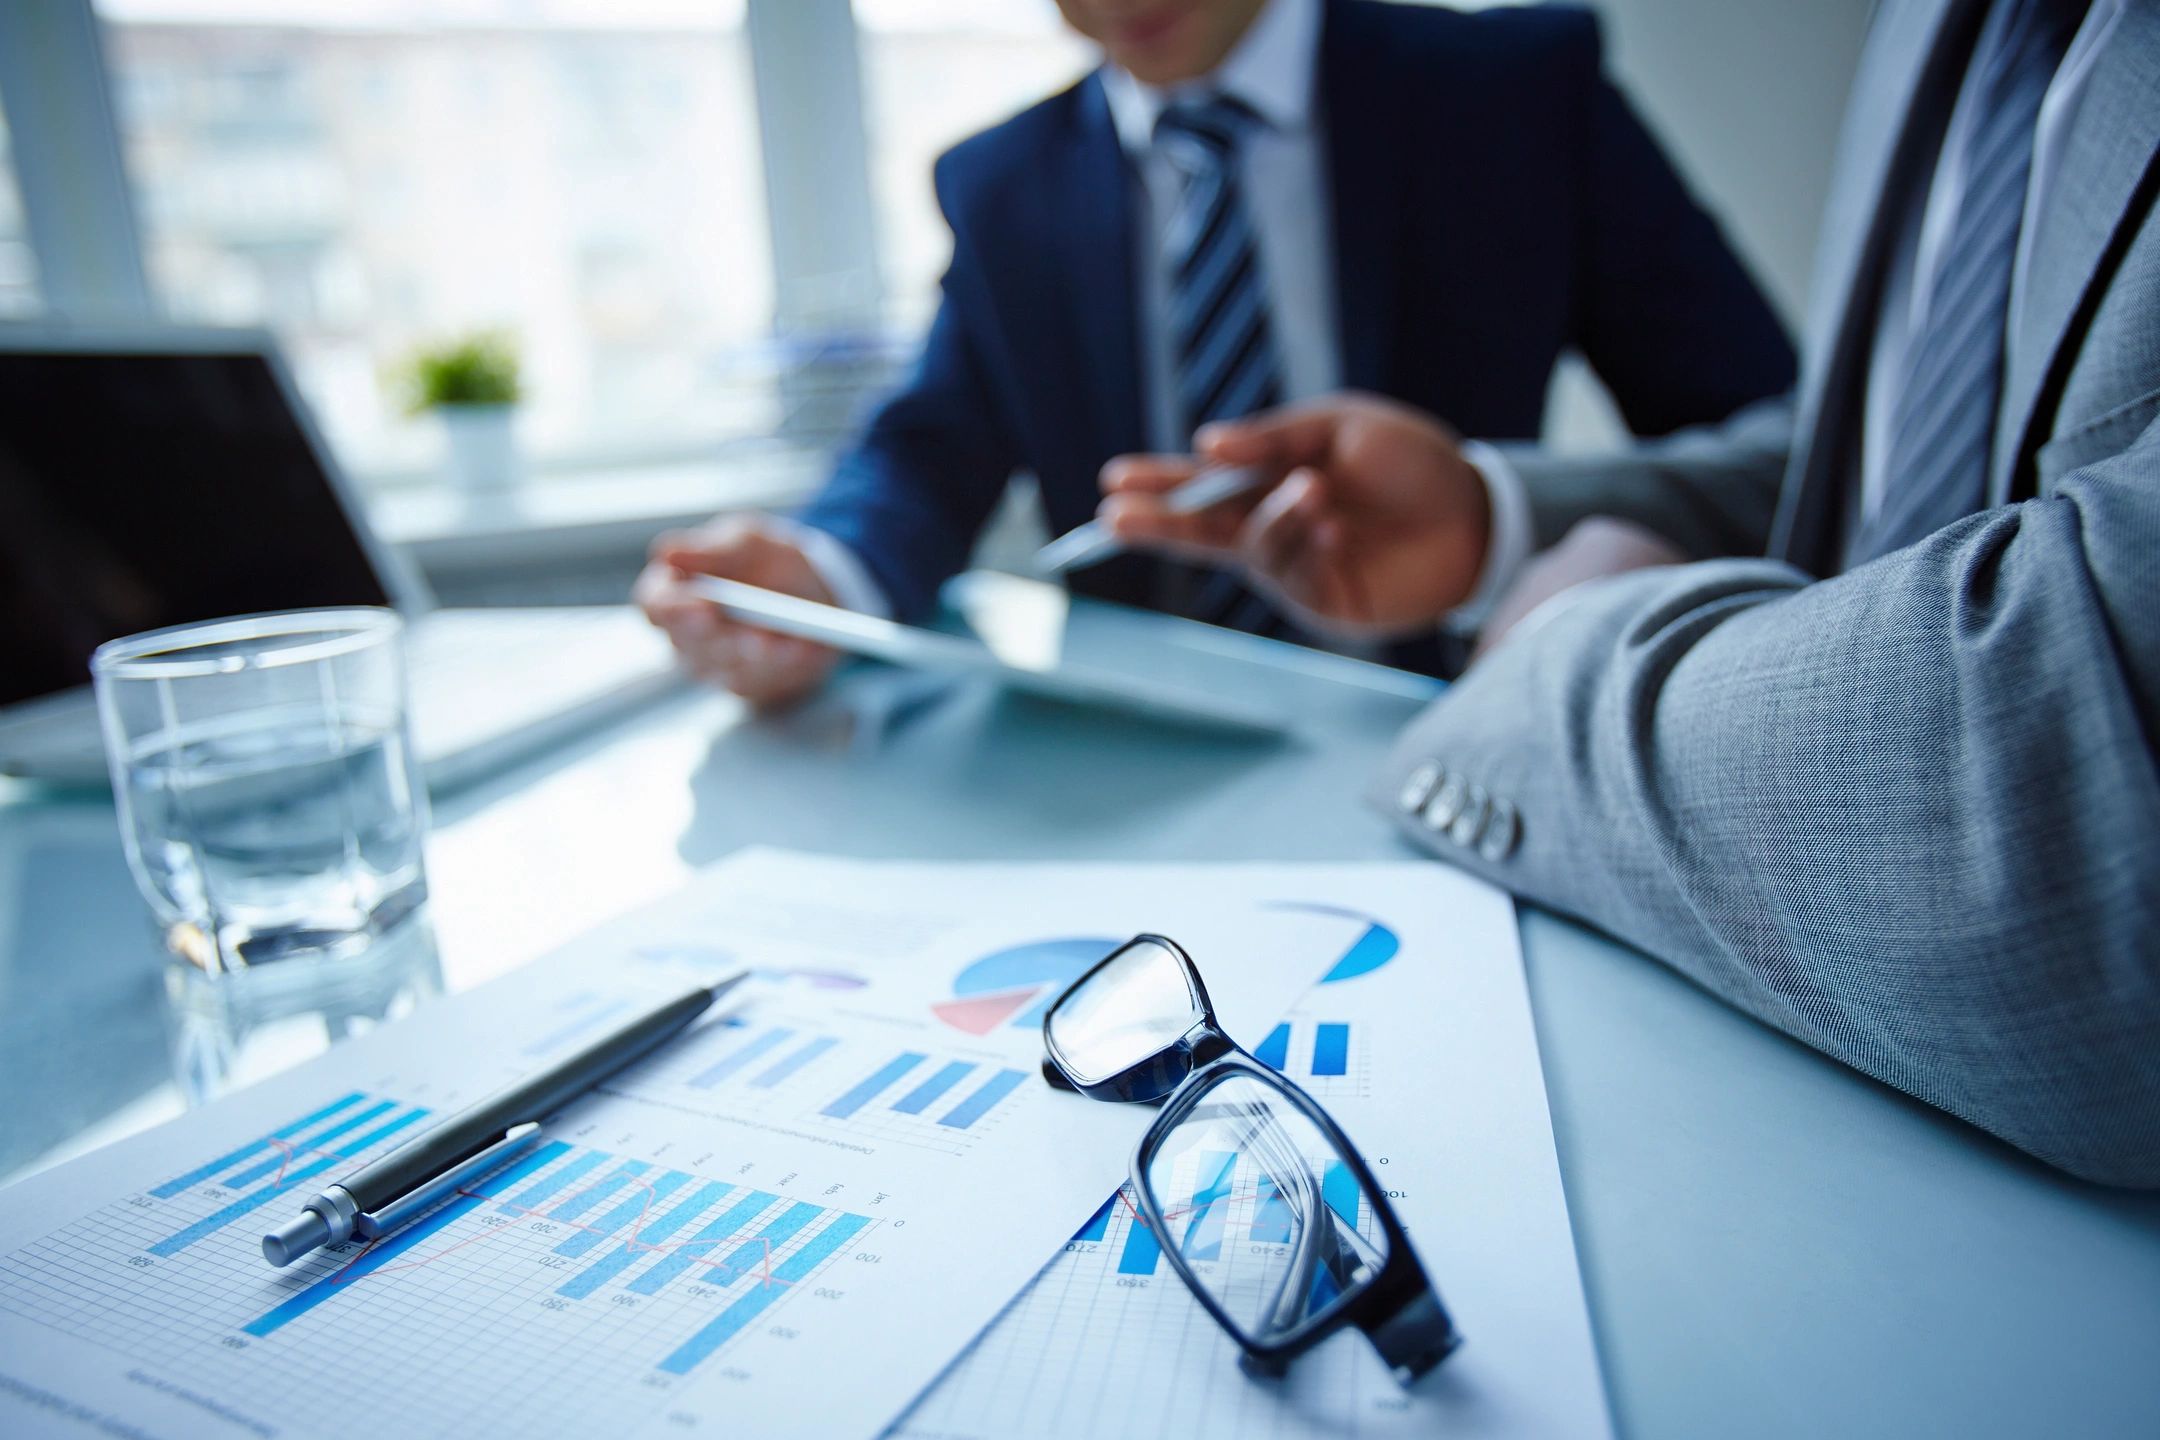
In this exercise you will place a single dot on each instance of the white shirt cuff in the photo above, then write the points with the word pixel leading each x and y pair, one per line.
pixel 1507 549
pixel 840 568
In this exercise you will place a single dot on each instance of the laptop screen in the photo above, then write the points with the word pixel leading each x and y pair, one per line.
pixel 141 490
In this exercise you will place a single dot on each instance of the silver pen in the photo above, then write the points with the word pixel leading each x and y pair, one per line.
pixel 1087 544
pixel 480 1139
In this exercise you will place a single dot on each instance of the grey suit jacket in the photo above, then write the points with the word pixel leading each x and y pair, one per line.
pixel 1909 813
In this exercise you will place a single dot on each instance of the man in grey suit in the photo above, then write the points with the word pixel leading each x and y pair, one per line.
pixel 1893 788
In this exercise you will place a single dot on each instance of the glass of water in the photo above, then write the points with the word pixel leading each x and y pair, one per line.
pixel 269 802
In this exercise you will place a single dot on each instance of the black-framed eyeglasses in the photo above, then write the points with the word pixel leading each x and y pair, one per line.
pixel 1262 1205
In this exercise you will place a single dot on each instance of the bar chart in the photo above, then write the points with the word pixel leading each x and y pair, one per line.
pixel 1327 1057
pixel 640 1246
pixel 787 1069
pixel 655 1268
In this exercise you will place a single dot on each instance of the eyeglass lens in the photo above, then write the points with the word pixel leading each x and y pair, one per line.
pixel 1264 1208
pixel 1136 1006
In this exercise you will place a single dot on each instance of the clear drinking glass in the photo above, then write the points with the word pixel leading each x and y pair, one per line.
pixel 269 802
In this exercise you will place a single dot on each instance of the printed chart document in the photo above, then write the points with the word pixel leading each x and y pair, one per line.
pixel 1419 1043
pixel 788 1222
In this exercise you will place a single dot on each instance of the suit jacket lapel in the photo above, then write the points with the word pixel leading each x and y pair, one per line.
pixel 1906 83
pixel 2111 143
pixel 1360 149
pixel 1090 240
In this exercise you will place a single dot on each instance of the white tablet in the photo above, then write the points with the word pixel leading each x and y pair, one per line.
pixel 933 650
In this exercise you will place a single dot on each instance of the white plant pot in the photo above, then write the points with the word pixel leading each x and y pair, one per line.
pixel 482 448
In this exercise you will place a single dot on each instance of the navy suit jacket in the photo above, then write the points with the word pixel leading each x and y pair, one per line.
pixel 1495 202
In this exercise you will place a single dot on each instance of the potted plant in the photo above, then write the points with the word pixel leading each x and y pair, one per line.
pixel 472 383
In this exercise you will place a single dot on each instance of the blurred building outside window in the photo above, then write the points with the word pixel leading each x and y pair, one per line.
pixel 365 176
pixel 934 73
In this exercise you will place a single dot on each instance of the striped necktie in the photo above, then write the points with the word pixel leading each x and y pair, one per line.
pixel 1942 428
pixel 1222 345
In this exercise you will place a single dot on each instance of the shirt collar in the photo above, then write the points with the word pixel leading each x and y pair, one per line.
pixel 1270 68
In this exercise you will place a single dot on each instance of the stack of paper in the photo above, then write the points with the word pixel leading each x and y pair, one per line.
pixel 796 1217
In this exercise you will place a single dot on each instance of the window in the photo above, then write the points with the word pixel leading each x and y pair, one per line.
pixel 18 266
pixel 935 72
pixel 363 176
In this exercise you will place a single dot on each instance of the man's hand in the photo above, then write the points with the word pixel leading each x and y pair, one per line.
pixel 764 668
pixel 1377 526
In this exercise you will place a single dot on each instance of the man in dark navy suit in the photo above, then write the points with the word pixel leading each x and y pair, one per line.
pixel 1252 202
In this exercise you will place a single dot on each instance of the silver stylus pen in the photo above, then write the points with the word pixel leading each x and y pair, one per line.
pixel 383 1194
pixel 1086 544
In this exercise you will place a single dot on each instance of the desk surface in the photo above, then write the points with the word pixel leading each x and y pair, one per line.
pixel 1772 1245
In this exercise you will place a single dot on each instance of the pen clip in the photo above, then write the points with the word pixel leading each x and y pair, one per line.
pixel 373 1225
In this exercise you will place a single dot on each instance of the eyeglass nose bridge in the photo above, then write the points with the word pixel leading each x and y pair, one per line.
pixel 1157 1078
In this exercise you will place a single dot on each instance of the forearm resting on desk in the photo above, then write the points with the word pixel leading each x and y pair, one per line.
pixel 1909 815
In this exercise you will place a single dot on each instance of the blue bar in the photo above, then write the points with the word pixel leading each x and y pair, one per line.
pixel 592 1195
pixel 286 1155
pixel 1274 1052
pixel 1271 1219
pixel 635 1208
pixel 1331 1050
pixel 1141 1250
pixel 728 1226
pixel 551 1184
pixel 382 1252
pixel 979 1104
pixel 922 1096
pixel 218 1220
pixel 195 1177
pixel 643 1241
pixel 860 1096
pixel 793 1063
pixel 1340 1189
pixel 1211 1187
pixel 728 1065
pixel 757 1252
pixel 730 1321
pixel 1098 1227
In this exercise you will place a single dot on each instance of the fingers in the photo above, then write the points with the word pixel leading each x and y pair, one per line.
pixel 1145 521
pixel 1282 527
pixel 660 593
pixel 1147 474
pixel 1294 435
pixel 722 550
pixel 763 667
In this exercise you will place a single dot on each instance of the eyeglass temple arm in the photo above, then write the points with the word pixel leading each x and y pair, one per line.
pixel 1287 1305
pixel 1416 1337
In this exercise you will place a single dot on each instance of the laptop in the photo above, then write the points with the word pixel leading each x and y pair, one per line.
pixel 167 476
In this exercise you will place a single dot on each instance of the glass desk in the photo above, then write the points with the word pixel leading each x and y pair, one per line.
pixel 1772 1244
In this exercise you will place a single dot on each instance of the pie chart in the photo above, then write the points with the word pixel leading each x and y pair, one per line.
pixel 1371 950
pixel 1014 987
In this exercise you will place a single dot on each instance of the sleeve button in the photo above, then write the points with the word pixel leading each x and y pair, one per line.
pixel 1446 804
pixel 1418 788
pixel 1502 832
pixel 1471 822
